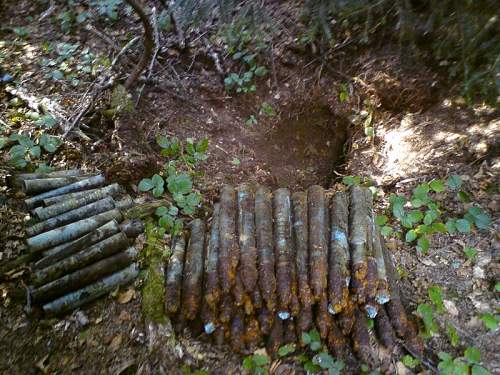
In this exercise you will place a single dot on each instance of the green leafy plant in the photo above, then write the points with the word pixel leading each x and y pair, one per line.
pixel 312 340
pixel 491 321
pixel 251 120
pixel 470 253
pixel 410 362
pixel 267 109
pixel 27 150
pixel 107 8
pixel 177 182
pixel 256 364
pixel 287 349
pixel 465 365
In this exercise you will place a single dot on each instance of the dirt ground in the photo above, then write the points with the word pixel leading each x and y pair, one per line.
pixel 421 131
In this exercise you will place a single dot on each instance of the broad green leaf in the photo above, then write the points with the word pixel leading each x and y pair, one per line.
pixel 398 210
pixel 157 180
pixel 180 184
pixel 437 185
pixel 454 182
pixel 158 190
pixel 49 143
pixel 426 314
pixel 381 219
pixel 166 221
pixel 480 218
pixel 260 359
pixel 324 360
pixel 35 151
pixel 410 236
pixel 43 168
pixel 410 362
pixel 202 145
pixel 386 231
pixel 473 355
pixel 423 244
pixel 436 297
pixel 4 141
pixel 146 184
pixel 17 152
pixel 470 253
pixel 463 226
pixel 453 335
pixel 261 71
pixel 492 322
pixel 306 338
pixel 46 121
pixel 463 196
pixel 163 141
pixel 248 363
pixel 162 210
pixel 439 227
pixel 451 226
pixel 479 370
pixel 287 349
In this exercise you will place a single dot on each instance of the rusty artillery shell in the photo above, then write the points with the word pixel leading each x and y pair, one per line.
pixel 358 228
pixel 266 320
pixel 91 292
pixel 44 213
pixel 208 318
pixel 301 243
pixel 339 274
pixel 264 236
pixel 371 289
pixel 41 185
pixel 238 333
pixel 246 236
pixel 323 318
pixel 193 271
pixel 16 181
pixel 71 231
pixel 98 251
pixel 132 228
pixel 84 276
pixel 211 281
pixel 173 280
pixel 241 297
pixel 90 182
pixel 113 189
pixel 229 251
pixel 275 339
pixel 253 336
pixel 57 253
pixel 384 330
pixel 284 253
pixel 289 331
pixel 361 339
pixel 227 309
pixel 382 295
pixel 318 240
pixel 346 319
pixel 80 213
pixel 336 341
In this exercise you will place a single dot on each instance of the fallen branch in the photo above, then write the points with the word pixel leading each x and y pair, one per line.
pixel 148 43
pixel 215 57
pixel 44 105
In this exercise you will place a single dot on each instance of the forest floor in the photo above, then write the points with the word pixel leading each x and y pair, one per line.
pixel 315 133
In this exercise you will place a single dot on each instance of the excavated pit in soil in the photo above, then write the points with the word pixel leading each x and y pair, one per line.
pixel 303 149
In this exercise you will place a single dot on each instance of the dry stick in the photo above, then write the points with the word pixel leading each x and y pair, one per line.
pixel 215 58
pixel 43 105
pixel 246 231
pixel 301 242
pixel 174 276
pixel 229 251
pixel 339 274
pixel 264 237
pixel 193 271
pixel 148 43
pixel 358 242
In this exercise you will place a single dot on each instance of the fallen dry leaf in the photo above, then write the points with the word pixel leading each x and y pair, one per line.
pixel 40 365
pixel 116 343
pixel 127 296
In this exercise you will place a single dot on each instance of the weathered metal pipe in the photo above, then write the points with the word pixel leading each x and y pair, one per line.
pixel 98 251
pixel 40 185
pixel 91 292
pixel 76 186
pixel 55 254
pixel 71 231
pixel 358 227
pixel 83 276
pixel 91 209
pixel 16 181
pixel 79 194
pixel 44 213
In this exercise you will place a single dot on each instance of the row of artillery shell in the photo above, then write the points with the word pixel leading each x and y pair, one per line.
pixel 83 251
pixel 273 265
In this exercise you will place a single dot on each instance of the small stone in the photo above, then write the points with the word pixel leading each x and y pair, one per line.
pixel 451 307
pixel 81 318
pixel 478 272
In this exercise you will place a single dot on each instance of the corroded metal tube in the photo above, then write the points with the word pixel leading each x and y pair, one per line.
pixel 91 292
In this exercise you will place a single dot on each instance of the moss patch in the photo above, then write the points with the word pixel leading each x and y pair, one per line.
pixel 153 293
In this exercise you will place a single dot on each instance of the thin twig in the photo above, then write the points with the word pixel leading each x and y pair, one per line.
pixel 130 43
